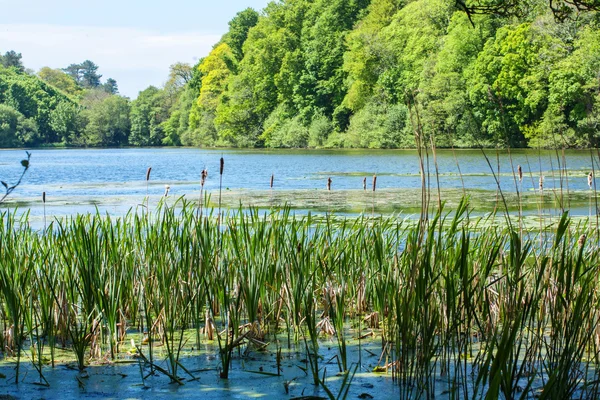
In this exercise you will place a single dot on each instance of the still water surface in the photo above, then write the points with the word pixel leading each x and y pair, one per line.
pixel 78 176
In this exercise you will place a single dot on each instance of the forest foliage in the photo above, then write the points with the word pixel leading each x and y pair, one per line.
pixel 341 73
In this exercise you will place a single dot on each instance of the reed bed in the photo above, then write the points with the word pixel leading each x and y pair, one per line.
pixel 462 307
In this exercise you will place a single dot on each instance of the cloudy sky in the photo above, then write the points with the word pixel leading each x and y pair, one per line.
pixel 132 41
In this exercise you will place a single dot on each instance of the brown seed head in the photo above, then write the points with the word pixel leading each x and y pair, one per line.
pixel 328 183
pixel 520 172
pixel 590 179
pixel 203 176
pixel 272 179
pixel 374 182
pixel 541 182
pixel 222 165
pixel 44 197
pixel 365 183
pixel 581 240
pixel 148 173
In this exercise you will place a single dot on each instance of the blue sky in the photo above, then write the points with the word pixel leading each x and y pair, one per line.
pixel 133 42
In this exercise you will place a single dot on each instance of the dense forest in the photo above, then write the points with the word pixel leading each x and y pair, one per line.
pixel 341 73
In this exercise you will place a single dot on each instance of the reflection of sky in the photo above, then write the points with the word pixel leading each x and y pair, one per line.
pixel 121 172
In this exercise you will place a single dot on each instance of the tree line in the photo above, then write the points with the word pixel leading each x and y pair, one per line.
pixel 342 73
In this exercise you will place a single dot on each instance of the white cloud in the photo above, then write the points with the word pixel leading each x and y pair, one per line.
pixel 138 55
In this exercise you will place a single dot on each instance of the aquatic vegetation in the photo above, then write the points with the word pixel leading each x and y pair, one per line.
pixel 463 302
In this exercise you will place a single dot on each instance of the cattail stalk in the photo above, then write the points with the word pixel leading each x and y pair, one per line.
pixel 221 168
pixel 44 201
pixel 374 184
pixel 147 195
pixel 590 182
pixel 203 176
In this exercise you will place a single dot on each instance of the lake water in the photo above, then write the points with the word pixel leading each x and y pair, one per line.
pixel 77 180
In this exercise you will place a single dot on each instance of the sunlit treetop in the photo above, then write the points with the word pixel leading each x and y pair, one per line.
pixel 562 9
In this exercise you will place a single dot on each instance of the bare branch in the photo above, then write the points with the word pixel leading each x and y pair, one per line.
pixel 9 188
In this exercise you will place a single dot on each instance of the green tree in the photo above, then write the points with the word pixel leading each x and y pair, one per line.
pixel 177 127
pixel 12 59
pixel 367 57
pixel 33 98
pixel 108 123
pixel 110 86
pixel 508 84
pixel 85 74
pixel 446 108
pixel 574 92
pixel 60 80
pixel 324 44
pixel 15 129
pixel 66 122
pixel 90 77
pixel 252 94
pixel 216 70
pixel 148 112
pixel 238 30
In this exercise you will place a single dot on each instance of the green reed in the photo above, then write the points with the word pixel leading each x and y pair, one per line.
pixel 482 309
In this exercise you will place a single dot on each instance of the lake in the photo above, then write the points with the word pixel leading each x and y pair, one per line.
pixel 79 180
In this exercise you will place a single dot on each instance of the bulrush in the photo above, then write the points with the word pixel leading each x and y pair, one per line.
pixel 221 167
pixel 147 182
pixel 541 182
pixel 167 188
pixel 590 180
pixel 374 182
pixel 365 183
pixel 272 179
pixel 520 172
pixel 581 240
pixel 328 183
pixel 203 176
pixel 44 201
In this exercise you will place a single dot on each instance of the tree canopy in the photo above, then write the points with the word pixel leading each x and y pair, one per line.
pixel 342 73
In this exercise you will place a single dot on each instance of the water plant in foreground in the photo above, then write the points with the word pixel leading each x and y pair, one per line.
pixel 462 306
